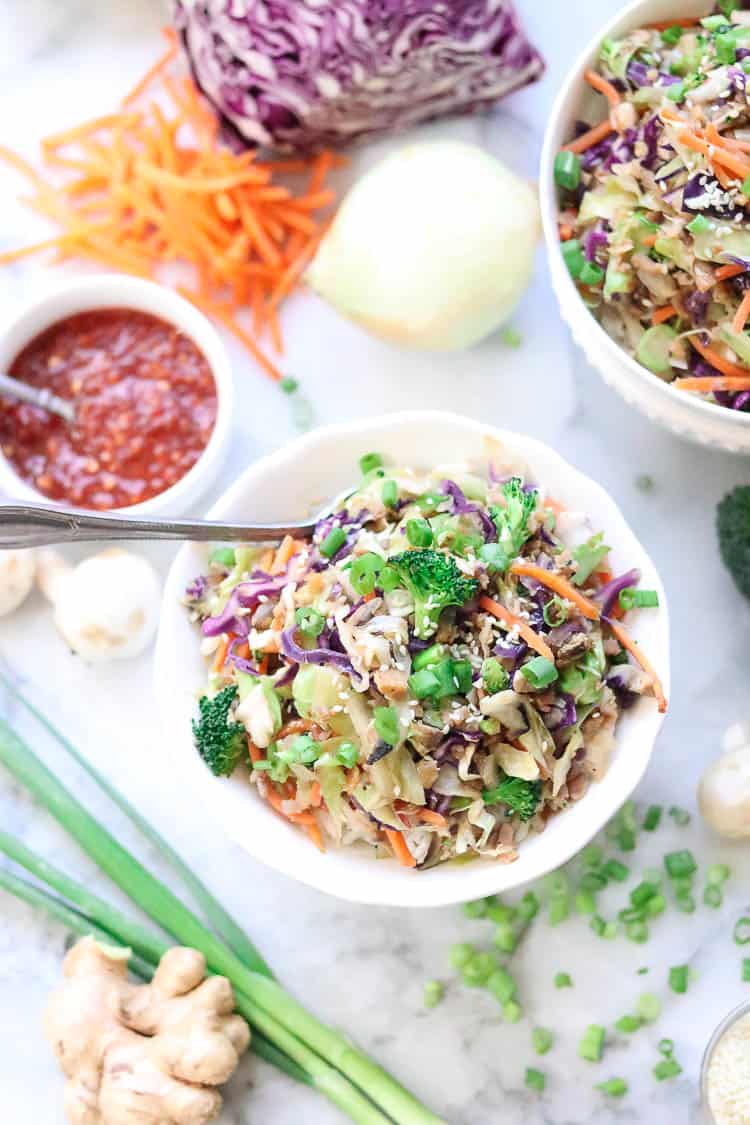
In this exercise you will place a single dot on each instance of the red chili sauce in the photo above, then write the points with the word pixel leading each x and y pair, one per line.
pixel 145 403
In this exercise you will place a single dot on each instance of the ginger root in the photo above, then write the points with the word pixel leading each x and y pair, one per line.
pixel 143 1054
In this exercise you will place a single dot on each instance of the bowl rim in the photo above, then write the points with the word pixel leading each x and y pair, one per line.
pixel 66 298
pixel 559 117
pixel 401 888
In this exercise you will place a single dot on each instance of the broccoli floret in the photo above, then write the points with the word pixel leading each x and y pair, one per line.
pixel 733 526
pixel 521 796
pixel 435 582
pixel 512 521
pixel 220 743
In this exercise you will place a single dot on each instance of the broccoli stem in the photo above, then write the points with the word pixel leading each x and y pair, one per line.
pixel 219 918
pixel 292 1028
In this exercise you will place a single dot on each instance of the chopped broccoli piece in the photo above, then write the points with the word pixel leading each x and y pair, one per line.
pixel 512 521
pixel 733 526
pixel 435 582
pixel 521 796
pixel 220 743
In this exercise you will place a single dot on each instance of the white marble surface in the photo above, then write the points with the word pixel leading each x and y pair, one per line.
pixel 362 968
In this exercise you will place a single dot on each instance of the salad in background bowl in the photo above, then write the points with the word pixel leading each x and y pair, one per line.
pixel 645 181
pixel 410 759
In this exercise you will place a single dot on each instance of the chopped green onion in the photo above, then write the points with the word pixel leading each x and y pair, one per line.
pixel 476 909
pixel 478 969
pixel 656 905
pixel 631 598
pixel 540 672
pixel 587 557
pixel 713 23
pixel 333 542
pixel 309 621
pixel 593 881
pixel 386 724
pixel 640 895
pixel 502 986
pixel 585 902
pixel 460 954
pixel 678 978
pixel 368 462
pixel 555 612
pixel 717 874
pixel 528 907
pixel 389 493
pixel 614 1087
pixel 699 225
pixel 629 1024
pixel 665 1047
pixel 713 896
pixel 726 49
pixel 644 482
pixel 652 818
pixel 288 385
pixel 742 931
pixel 563 980
pixel 388 579
pixel 592 855
pixel 567 170
pixel 676 92
pixel 667 1068
pixel 512 1011
pixel 648 1007
pixel 613 869
pixel 679 864
pixel 631 914
pixel 511 337
pixel 501 914
pixel 505 937
pixel 427 657
pixel 685 902
pixel 494 676
pixel 223 556
pixel 654 347
pixel 347 754
pixel 419 533
pixel 671 35
pixel 681 817
pixel 592 1043
pixel 542 1040
pixel 434 991
pixel 534 1079
pixel 746 968
pixel 364 571
pixel 424 684
pixel 462 675
pixel 573 257
pixel 591 274
pixel 559 909
pixel 745 186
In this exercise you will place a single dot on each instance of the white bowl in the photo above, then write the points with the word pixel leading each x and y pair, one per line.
pixel 287 485
pixel 682 413
pixel 121 291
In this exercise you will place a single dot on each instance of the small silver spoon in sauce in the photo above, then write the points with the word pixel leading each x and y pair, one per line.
pixel 38 396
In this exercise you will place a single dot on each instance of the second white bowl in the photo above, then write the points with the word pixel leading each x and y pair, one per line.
pixel 289 484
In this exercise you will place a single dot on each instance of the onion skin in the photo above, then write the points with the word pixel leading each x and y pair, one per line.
pixel 432 248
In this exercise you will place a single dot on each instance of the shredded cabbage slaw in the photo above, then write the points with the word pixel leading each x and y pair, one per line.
pixel 653 201
pixel 435 673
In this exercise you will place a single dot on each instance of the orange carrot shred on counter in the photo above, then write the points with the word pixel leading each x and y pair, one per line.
pixel 152 187
pixel 533 640
pixel 559 585
pixel 634 649
pixel 602 86
pixel 400 850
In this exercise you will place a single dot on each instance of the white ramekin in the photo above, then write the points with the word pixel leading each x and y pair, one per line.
pixel 121 291
pixel 682 413
pixel 290 484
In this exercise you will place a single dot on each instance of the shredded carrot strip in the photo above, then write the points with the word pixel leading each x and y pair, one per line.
pixel 715 154
pixel 650 240
pixel 592 137
pixel 400 850
pixel 295 726
pixel 602 86
pixel 566 232
pixel 732 370
pixel 634 649
pixel 723 273
pixel 288 547
pixel 666 313
pixel 316 795
pixel 664 25
pixel 533 640
pixel 221 654
pixel 708 383
pixel 313 831
pixel 256 755
pixel 560 586
pixel 430 817
pixel 152 185
pixel 743 312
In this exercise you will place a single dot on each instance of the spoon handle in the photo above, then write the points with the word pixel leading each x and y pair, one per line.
pixel 37 396
pixel 27 526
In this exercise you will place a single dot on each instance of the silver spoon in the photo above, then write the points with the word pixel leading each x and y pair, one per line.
pixel 24 525
pixel 38 396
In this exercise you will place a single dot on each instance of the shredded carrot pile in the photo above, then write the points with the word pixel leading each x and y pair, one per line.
pixel 152 185
pixel 524 630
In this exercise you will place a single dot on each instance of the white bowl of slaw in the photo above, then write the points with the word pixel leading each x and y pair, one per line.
pixel 683 414
pixel 300 478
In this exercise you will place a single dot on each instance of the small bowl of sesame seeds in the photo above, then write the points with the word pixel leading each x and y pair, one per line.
pixel 150 384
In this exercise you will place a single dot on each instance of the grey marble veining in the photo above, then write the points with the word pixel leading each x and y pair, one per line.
pixel 363 968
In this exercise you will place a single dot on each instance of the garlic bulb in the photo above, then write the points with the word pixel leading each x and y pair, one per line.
pixel 432 248
pixel 16 578
pixel 107 607
pixel 724 790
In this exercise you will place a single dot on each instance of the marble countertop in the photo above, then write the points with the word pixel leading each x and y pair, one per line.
pixel 363 968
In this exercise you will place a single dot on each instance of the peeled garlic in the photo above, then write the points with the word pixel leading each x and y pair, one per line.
pixel 724 790
pixel 16 578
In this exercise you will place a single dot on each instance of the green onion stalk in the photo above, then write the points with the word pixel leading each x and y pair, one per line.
pixel 334 1066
